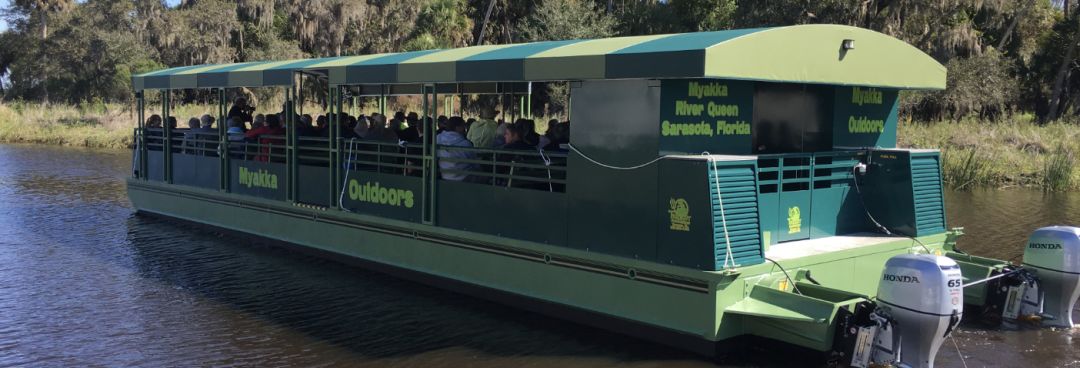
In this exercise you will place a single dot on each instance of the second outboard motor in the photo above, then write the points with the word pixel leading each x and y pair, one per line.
pixel 1054 253
pixel 924 296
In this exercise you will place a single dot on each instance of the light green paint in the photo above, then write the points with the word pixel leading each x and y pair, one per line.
pixel 812 54
pixel 438 66
pixel 582 60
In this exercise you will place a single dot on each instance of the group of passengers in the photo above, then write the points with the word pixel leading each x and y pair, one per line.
pixel 244 126
pixel 488 133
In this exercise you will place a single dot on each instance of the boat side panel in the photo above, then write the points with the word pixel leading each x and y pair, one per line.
pixel 685 311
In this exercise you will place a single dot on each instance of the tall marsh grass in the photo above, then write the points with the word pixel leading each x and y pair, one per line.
pixel 1059 171
pixel 1009 153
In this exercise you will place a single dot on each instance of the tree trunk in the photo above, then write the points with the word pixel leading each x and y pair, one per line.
pixel 1012 27
pixel 44 25
pixel 1059 82
pixel 483 25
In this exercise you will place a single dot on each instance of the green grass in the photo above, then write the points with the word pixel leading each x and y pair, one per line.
pixel 1012 153
pixel 103 127
pixel 1015 152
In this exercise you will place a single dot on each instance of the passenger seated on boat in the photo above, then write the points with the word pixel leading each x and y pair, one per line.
pixel 172 122
pixel 410 134
pixel 207 123
pixel 379 131
pixel 500 135
pixel 321 122
pixel 258 122
pixel 515 136
pixel 236 130
pixel 528 132
pixel 363 126
pixel 545 139
pixel 348 126
pixel 515 164
pixel 154 121
pixel 241 110
pixel 454 136
pixel 558 136
pixel 154 133
pixel 412 119
pixel 235 134
pixel 440 125
pixel 189 144
pixel 304 127
pixel 482 134
pixel 266 136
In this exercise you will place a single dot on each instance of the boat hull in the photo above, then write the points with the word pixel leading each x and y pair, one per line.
pixel 687 308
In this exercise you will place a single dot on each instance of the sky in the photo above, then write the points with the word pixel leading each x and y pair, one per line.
pixel 3 23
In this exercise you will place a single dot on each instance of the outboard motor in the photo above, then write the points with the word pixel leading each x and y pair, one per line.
pixel 923 295
pixel 1054 253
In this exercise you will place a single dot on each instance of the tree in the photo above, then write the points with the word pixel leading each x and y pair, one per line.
pixel 43 10
pixel 441 24
pixel 566 20
pixel 705 15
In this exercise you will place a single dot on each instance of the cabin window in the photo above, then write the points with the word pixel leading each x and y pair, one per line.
pixel 791 118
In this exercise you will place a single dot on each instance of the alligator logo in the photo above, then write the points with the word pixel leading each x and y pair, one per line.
pixel 680 214
pixel 794 220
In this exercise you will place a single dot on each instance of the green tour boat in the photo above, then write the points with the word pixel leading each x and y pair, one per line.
pixel 714 185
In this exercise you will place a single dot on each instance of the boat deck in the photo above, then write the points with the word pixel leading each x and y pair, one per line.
pixel 811 247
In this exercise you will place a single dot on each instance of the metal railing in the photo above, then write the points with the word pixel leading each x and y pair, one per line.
pixel 264 148
pixel 155 139
pixel 195 143
pixel 527 169
pixel 313 151
pixel 383 157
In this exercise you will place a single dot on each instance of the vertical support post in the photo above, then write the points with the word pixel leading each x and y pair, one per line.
pixel 167 139
pixel 461 101
pixel 290 144
pixel 429 166
pixel 434 110
pixel 334 157
pixel 223 144
pixel 502 97
pixel 382 100
pixel 528 102
pixel 521 106
pixel 140 145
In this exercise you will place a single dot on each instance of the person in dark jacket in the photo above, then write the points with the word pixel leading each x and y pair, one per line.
pixel 241 111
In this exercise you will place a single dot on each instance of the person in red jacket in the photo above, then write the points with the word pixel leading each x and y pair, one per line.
pixel 267 136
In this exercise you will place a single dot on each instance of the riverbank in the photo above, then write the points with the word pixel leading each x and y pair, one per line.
pixel 1013 153
pixel 103 126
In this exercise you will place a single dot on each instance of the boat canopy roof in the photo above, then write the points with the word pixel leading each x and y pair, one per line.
pixel 813 54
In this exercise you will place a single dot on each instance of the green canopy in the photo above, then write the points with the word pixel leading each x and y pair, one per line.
pixel 794 54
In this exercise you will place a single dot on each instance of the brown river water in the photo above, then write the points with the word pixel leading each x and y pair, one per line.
pixel 86 282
